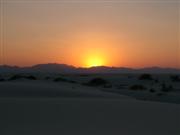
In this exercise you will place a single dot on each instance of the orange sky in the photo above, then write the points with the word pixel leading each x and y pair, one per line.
pixel 84 33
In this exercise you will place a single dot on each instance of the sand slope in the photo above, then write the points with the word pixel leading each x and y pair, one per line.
pixel 92 116
pixel 49 108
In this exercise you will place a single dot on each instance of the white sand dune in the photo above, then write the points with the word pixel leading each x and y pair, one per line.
pixel 49 108
pixel 51 89
pixel 92 116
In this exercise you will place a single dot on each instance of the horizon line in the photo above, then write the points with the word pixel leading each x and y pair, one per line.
pixel 128 67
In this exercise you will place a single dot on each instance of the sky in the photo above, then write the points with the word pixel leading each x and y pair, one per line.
pixel 84 33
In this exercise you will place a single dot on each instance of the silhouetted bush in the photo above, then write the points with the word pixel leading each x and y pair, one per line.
pixel 171 87
pixel 47 78
pixel 107 86
pixel 130 76
pixel 145 77
pixel 60 79
pixel 16 77
pixel 152 90
pixel 159 94
pixel 2 79
pixel 97 82
pixel 175 78
pixel 71 81
pixel 166 88
pixel 122 86
pixel 137 87
pixel 84 75
pixel 30 77
pixel 156 81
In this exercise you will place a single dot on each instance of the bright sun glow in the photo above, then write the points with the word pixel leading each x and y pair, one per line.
pixel 94 61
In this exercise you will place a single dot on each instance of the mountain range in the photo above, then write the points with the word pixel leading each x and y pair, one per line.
pixel 63 68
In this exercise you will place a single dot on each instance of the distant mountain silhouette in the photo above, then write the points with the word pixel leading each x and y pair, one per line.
pixel 63 68
pixel 53 67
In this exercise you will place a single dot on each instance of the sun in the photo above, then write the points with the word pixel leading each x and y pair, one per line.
pixel 94 61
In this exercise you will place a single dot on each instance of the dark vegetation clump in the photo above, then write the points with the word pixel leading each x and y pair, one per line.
pixel 152 90
pixel 60 79
pixel 2 79
pixel 159 94
pixel 17 77
pixel 30 77
pixel 84 75
pixel 122 86
pixel 97 82
pixel 47 78
pixel 145 77
pixel 175 78
pixel 166 88
pixel 108 86
pixel 129 76
pixel 71 81
pixel 156 80
pixel 137 87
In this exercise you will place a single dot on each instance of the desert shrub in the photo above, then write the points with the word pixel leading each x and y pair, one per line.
pixel 156 80
pixel 97 82
pixel 175 78
pixel 71 81
pixel 2 79
pixel 107 86
pixel 60 79
pixel 30 77
pixel 145 77
pixel 137 87
pixel 122 86
pixel 152 90
pixel 129 76
pixel 159 94
pixel 47 78
pixel 16 77
pixel 170 87
pixel 166 88
pixel 84 75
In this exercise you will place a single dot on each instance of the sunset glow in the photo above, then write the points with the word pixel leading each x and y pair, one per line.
pixel 94 61
pixel 90 34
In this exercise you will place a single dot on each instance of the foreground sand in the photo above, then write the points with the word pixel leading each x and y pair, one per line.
pixel 90 116
pixel 48 108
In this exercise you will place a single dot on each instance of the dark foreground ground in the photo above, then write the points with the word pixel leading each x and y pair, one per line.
pixel 90 116
pixel 82 105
